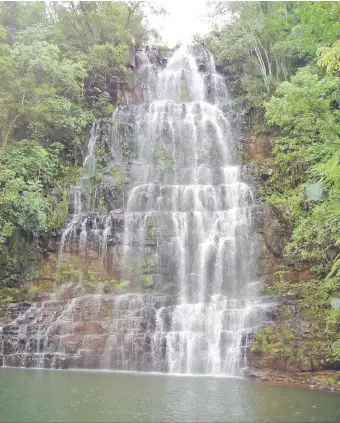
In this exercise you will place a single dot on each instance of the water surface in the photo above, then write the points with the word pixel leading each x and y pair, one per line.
pixel 85 396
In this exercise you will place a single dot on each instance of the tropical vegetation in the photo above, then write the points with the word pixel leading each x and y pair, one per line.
pixel 62 65
pixel 283 59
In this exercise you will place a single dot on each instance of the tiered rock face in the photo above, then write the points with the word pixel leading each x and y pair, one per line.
pixel 84 332
pixel 171 222
pixel 289 347
pixel 272 230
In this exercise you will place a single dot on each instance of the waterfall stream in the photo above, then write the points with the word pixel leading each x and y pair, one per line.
pixel 187 246
pixel 189 192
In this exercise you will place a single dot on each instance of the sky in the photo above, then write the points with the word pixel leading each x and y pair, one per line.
pixel 185 18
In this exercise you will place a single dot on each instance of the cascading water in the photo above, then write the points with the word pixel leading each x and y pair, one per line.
pixel 77 193
pixel 188 194
pixel 187 251
pixel 86 226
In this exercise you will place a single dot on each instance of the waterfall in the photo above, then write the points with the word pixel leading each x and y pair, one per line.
pixel 182 234
pixel 187 192
pixel 77 193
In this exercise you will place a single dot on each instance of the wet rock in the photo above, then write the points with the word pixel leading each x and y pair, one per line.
pixel 200 56
pixel 280 364
pixel 132 57
pixel 258 147
pixel 305 365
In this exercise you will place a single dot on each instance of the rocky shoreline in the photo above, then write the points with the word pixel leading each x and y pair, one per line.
pixel 325 380
pixel 318 380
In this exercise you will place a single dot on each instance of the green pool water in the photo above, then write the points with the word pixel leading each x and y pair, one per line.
pixel 84 396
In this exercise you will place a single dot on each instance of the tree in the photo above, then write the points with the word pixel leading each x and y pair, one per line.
pixel 263 43
pixel 329 58
pixel 62 65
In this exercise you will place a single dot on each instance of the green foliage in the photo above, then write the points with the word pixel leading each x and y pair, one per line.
pixel 264 43
pixel 331 381
pixel 273 341
pixel 58 211
pixel 10 295
pixel 121 284
pixel 317 25
pixel 183 97
pixel 147 281
pixel 162 48
pixel 329 57
pixel 160 155
pixel 335 348
pixel 28 172
pixel 117 177
pixel 304 111
pixel 283 60
pixel 279 286
pixel 62 65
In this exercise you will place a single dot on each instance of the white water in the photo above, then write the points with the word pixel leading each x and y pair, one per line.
pixel 188 192
pixel 187 243
pixel 77 194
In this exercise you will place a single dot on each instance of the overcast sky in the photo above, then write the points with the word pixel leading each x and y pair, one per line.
pixel 185 18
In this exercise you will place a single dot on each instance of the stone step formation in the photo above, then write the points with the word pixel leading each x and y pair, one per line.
pixel 182 228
